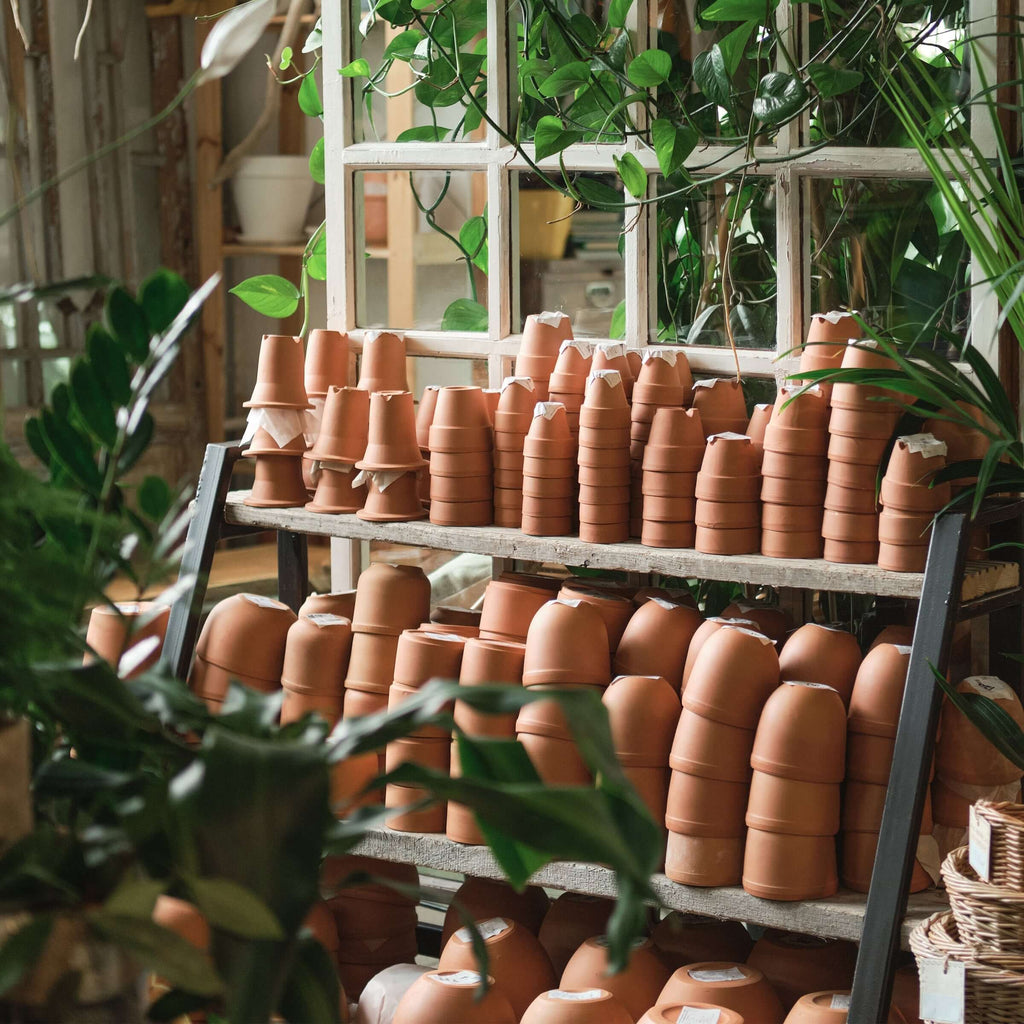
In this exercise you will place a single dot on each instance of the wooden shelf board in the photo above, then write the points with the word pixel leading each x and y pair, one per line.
pixel 269 249
pixel 839 917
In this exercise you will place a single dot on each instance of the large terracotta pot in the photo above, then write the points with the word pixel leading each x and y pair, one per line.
pixel 878 690
pixel 704 861
pixel 738 987
pixel 567 643
pixel 711 749
pixel 482 898
pixel 391 435
pixel 682 939
pixel 636 986
pixel 656 639
pixel 390 598
pixel 382 363
pixel 279 374
pixel 721 405
pixel 453 996
pixel 316 654
pixel 577 1006
pixel 787 867
pixel 110 625
pixel 571 919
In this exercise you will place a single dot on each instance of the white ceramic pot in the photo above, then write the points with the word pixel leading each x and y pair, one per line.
pixel 272 195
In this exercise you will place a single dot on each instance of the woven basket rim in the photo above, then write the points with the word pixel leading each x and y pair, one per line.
pixel 1004 813
pixel 937 938
pixel 960 878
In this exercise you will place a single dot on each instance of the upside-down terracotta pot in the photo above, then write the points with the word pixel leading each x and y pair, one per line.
pixel 868 757
pixel 409 816
pixel 636 986
pixel 339 602
pixel 799 422
pixel 826 340
pixel 721 405
pixel 453 996
pixel 279 374
pixel 543 334
pixel 567 643
pixel 572 919
pixel 110 626
pixel 391 500
pixel 863 355
pixel 706 861
pixel 613 356
pixel 727 515
pixel 705 807
pixel 681 939
pixel 576 1006
pixel 878 691
pixel 738 987
pixel 676 442
pixel 857 451
pixel 802 544
pixel 326 364
pixel 349 779
pixel 668 485
pixel 671 1012
pixel 777 804
pixel 656 639
pixel 711 749
pixel 363 702
pixel 787 867
pixel 862 424
pixel 572 368
pixel 658 382
pixel 794 964
pixel 277 481
pixel 729 470
pixel 371 664
pixel 858 860
pixel 296 703
pixel 509 609
pixel 246 633
pixel 391 435
pixel 668 535
pixel 516 960
pixel 460 422
pixel 821 654
pixel 486 662
pixel 700 637
pixel 382 364
pixel 482 898
pixel 390 598
pixel 423 655
pixel 335 491
pixel 615 610
pixel 642 715
pixel 316 654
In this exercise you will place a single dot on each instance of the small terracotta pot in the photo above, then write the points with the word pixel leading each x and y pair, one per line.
pixel 577 1006
pixel 655 641
pixel 729 456
pixel 591 495
pixel 658 386
pixel 399 503
pixel 849 527
pixel 463 464
pixel 793 467
pixel 706 807
pixel 802 734
pixel 349 778
pixel 636 986
pixel 428 752
pixel 425 414
pixel 509 518
pixel 459 440
pixel 725 515
pixel 704 631
pixel 703 861
pixel 801 410
pixel 277 482
pixel 316 654
pixel 711 750
pixel 326 364
pixel 359 702
pixel 912 528
pixel 614 356
pixel 390 599
pixel 547 508
pixel 787 867
pixel 793 493
pixel 757 423
pixel 615 610
pixel 572 367
pixel 109 627
pixel 667 535
pixel 546 526
pixel 963 753
pixel 567 642
pixel 510 441
pixel 915 460
pixel 295 704
pixel 453 996
pixel 868 757
pixel 642 714
pixel 822 654
pixel 541 339
pixel 572 402
pixel 728 654
pixel 391 438
pixel 829 1007
pixel 869 424
pixel 476 723
pixel 605 533
pixel 604 458
pixel 721 405
pixel 402 799
pixel 677 428
pixel 792 807
pixel 459 489
pixel 846 499
pixel 681 939
pixel 549 468
pixel 340 602
pixel 508 493
pixel 246 634
pixel 710 541
pixel 382 363
pixel 668 485
pixel 515 405
pixel 858 860
pixel 746 992
pixel 897 497
pixel 461 513
pixel 607 389
pixel 850 552
pixel 863 803
pixel 601 417
pixel 279 374
pixel 728 488
pixel 548 487
pixel 509 607
pixel 805 544
pixel 460 407
pixel 571 920
pixel 826 341
pixel 856 451
pixel 878 691
pixel 335 493
pixel 422 655
pixel 948 807
pixel 604 515
pixel 604 437
pixel 670 510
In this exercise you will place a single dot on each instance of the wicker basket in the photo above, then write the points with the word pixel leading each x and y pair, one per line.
pixel 1007 850
pixel 987 915
pixel 994 982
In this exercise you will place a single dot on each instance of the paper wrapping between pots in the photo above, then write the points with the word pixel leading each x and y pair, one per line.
pixel 283 425
pixel 382 478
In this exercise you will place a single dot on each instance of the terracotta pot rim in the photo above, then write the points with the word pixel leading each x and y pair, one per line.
pixel 392 517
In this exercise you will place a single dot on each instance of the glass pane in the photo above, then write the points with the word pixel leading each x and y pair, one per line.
pixel 570 258
pixel 13 373
pixel 55 371
pixel 892 250
pixel 425 371
pixel 412 92
pixel 697 285
pixel 432 275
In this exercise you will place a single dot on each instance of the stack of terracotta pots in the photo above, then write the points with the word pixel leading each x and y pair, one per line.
pixel 382 363
pixel 339 445
pixel 376 924
pixel 656 640
pixel 484 662
pixel 637 986
pixel 389 599
pixel 326 367
pixel 243 638
pixel 279 402
pixel 115 630
pixel 871 738
pixel 721 405
pixel 315 663
pixel 424 417
pixel 543 334
pixel 461 467
pixel 613 355
pixel 799 760
pixel 509 607
pixel 859 430
pixel 549 489
pixel 710 757
pixel 392 461
pixel 512 420
pixel 421 655
pixel 642 713
pixel 795 441
pixel 566 646
pixel 568 382
pixel 821 654
pixel 825 346
pixel 604 459
pixel 963 443
pixel 672 457
pixel 910 501
pixel 728 512
pixel 656 387
pixel 757 424
pixel 741 990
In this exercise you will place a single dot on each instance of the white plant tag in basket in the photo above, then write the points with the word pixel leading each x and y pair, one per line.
pixel 942 990
pixel 979 848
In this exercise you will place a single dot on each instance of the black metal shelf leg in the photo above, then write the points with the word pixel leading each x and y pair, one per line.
pixel 292 568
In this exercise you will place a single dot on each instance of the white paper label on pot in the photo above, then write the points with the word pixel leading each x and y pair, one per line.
pixel 661 602
pixel 708 382
pixel 584 996
pixel 584 348
pixel 942 990
pixel 926 445
pixel 729 435
pixel 316 468
pixel 382 478
pixel 990 686
pixel 668 354
pixel 321 619
pixel 313 417
pixel 612 349
pixel 699 1015
pixel 862 342
pixel 369 337
pixel 457 978
pixel 979 848
pixel 448 638
pixel 550 318
pixel 903 649
pixel 572 602
pixel 810 686
pixel 840 1001
pixel 833 316
pixel 283 425
pixel 546 409
pixel 765 640
pixel 263 602
pixel 523 382
pixel 488 929
pixel 611 377
pixel 720 974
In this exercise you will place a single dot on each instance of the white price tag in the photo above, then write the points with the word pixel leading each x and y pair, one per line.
pixel 990 686
pixel 488 929
pixel 942 991
pixel 321 619
pixel 457 978
pixel 720 974
pixel 979 850
pixel 263 602
pixel 584 996
pixel 699 1015
pixel 840 1001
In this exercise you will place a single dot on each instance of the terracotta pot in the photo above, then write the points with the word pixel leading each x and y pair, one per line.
pixel 745 541
pixel 403 799
pixel 807 544
pixel 788 867
pixel 948 807
pixel 663 459
pixel 642 714
pixel 607 388
pixel 316 654
pixel 508 518
pixel 549 487
pixel 601 496
pixel 915 459
pixel 558 761
pixel 728 654
pixel 359 702
pixel 704 631
pixel 279 374
pixel 858 860
pixel 658 381
pixel 868 757
pixel 728 456
pixel 822 654
pixel 461 464
pixel 509 441
pixel 577 1006
pixel 757 423
pixel 427 751
pixel 297 703
pixel 794 964
pixel 371 665
pixel 738 987
pixel 668 535
pixel 636 986
pixel 515 405
pixel 453 996
pixel 391 437
pixel 245 634
pixel 721 405
pixel 604 459
pixel 277 482
pixel 483 898
pixel 710 749
pixel 615 610
pixel 400 502
pixel 382 363
pixel 567 642
pixel 613 356
pixel 572 367
pixel 869 424
pixel 791 518
pixel 826 340
pixel 919 498
pixel 549 506
pixel 726 515
pixel 851 476
pixel 846 499
pixel 857 451
pixel 878 691
pixel 326 363
pixel 422 655
pixel 702 861
pixel 459 407
pixel 963 753
pixel 461 513
pixel 349 778
pixel 549 468
pixel 109 628
pixel 340 602
pixel 792 807
pixel 699 806
pixel 670 510
pixel 457 440
pixel 902 557
pixel 510 607
pixel 425 415
pixel 849 527
pixel 829 1007
pixel 335 493
pixel 681 939
pixel 863 803
pixel 572 919
pixel 655 641
pixel 605 417
pixel 604 515
pixel 605 533
pixel 800 410
pixel 516 960
pixel 545 339
pixel 546 526
pixel 904 527
pixel 787 481
pixel 861 355
pixel 458 489
pixel 850 552
pixel 604 437
pixel 669 1013
pixel 668 485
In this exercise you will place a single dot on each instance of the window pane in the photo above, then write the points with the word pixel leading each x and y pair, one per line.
pixel 892 250
pixel 424 249
pixel 570 258
pixel 697 284
pixel 13 372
